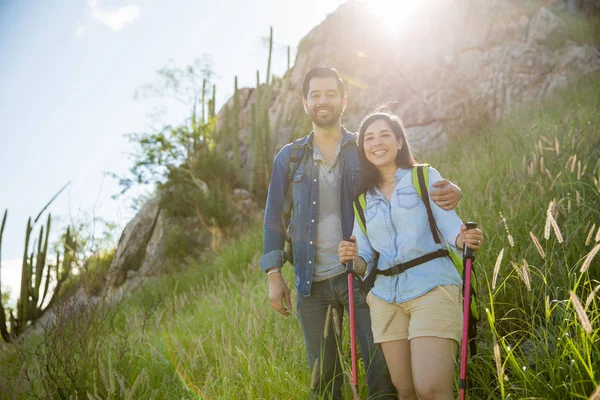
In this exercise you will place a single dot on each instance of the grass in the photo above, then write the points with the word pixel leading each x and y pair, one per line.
pixel 209 332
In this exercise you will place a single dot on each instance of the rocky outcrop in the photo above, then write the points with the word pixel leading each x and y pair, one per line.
pixel 141 249
pixel 453 64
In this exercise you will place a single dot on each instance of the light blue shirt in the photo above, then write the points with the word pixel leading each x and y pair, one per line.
pixel 399 230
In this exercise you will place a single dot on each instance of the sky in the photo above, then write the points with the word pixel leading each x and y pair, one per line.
pixel 68 73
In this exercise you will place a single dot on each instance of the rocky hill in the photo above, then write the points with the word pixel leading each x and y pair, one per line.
pixel 458 62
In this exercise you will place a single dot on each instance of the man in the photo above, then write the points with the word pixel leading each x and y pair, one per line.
pixel 324 184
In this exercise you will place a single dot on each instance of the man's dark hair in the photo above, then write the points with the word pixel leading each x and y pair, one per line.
pixel 323 72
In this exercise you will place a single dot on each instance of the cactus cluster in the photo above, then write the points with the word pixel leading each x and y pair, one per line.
pixel 260 128
pixel 36 276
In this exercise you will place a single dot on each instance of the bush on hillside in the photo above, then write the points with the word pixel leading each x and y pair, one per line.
pixel 203 189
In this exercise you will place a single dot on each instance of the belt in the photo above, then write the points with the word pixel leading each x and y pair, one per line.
pixel 402 267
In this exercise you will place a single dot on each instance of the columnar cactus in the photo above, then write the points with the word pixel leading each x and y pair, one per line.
pixel 235 129
pixel 3 329
pixel 32 299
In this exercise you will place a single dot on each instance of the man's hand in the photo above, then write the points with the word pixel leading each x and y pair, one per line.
pixel 278 293
pixel 446 195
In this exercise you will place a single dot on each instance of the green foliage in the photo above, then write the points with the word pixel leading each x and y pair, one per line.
pixel 6 293
pixel 202 189
pixel 171 146
pixel 90 277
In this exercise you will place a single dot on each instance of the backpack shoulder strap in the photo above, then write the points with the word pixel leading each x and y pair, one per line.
pixel 420 178
pixel 296 157
pixel 359 205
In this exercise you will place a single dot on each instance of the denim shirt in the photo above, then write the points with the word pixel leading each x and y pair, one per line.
pixel 305 196
pixel 399 230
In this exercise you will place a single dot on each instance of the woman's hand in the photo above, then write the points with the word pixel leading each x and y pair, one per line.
pixel 348 250
pixel 473 238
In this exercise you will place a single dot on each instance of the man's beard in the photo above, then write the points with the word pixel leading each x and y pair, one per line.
pixel 334 116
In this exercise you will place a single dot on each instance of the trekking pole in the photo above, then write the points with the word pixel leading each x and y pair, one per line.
pixel 350 272
pixel 468 258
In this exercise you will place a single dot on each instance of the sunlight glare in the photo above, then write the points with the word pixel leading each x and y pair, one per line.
pixel 396 15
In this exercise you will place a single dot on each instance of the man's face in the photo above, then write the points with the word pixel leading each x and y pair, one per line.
pixel 324 103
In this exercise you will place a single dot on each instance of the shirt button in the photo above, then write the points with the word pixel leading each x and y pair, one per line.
pixel 312 221
pixel 308 282
pixel 314 180
pixel 314 202
pixel 310 242
pixel 310 262
pixel 315 163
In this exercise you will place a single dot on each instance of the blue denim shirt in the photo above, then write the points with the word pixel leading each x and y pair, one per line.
pixel 399 230
pixel 305 196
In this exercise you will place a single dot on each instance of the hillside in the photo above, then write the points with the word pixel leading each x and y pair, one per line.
pixel 209 332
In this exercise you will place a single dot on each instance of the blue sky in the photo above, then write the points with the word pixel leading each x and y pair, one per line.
pixel 68 73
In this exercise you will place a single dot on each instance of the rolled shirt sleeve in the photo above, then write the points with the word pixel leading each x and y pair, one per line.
pixel 365 251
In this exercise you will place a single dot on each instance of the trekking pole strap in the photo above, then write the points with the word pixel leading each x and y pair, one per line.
pixel 402 267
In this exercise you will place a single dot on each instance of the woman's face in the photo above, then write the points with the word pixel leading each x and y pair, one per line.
pixel 381 146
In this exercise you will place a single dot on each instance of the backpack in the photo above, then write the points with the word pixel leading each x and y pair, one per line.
pixel 296 157
pixel 420 179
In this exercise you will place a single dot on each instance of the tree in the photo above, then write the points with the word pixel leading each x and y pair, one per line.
pixel 169 146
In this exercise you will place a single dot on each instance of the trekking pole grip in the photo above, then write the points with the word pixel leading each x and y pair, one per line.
pixel 349 263
pixel 468 252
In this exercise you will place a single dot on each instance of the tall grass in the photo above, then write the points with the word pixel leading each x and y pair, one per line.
pixel 532 184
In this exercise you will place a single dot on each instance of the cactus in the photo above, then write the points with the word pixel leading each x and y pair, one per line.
pixel 254 161
pixel 257 162
pixel 270 54
pixel 31 302
pixel 213 102
pixel 203 104
pixel 235 129
pixel 266 129
pixel 225 130
pixel 3 330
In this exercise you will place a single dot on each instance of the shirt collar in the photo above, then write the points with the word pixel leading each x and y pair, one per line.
pixel 347 137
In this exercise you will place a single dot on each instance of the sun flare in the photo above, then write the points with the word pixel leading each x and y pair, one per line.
pixel 396 15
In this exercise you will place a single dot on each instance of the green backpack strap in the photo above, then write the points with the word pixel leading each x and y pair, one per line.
pixel 420 178
pixel 359 205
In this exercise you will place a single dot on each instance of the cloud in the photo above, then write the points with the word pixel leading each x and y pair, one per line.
pixel 115 20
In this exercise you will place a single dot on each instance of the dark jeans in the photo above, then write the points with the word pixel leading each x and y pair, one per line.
pixel 323 349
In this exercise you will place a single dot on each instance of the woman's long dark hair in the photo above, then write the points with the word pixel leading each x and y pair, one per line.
pixel 371 177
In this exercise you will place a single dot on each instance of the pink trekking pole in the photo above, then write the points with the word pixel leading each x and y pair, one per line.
pixel 350 272
pixel 468 258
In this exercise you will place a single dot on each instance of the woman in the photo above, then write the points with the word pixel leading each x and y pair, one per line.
pixel 416 314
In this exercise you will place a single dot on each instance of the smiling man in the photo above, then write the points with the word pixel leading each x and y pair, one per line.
pixel 322 171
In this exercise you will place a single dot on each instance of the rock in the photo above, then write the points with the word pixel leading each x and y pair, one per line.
pixel 246 210
pixel 131 249
pixel 544 23
pixel 464 61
